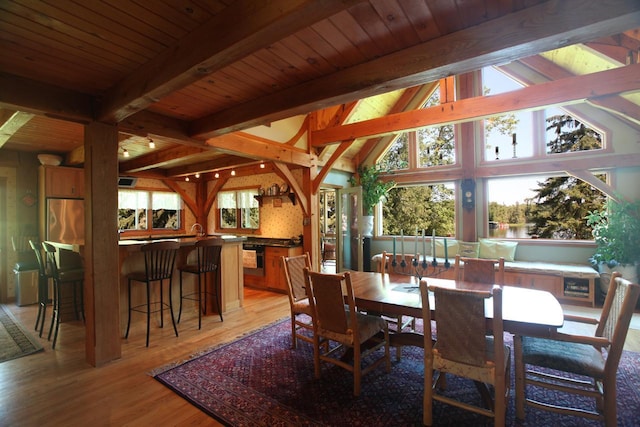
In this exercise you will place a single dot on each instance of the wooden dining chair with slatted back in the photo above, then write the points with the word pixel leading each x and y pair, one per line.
pixel 397 322
pixel 345 326
pixel 479 270
pixel 301 314
pixel 159 261
pixel 205 266
pixel 592 359
pixel 466 346
pixel 68 290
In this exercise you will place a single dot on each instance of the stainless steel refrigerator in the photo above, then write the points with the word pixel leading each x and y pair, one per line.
pixel 65 220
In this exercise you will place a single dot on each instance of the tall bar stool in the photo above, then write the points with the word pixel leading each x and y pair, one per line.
pixel 159 260
pixel 72 278
pixel 43 285
pixel 208 260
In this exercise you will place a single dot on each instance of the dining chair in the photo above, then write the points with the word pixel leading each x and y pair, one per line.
pixel 63 279
pixel 44 274
pixel 593 358
pixel 479 270
pixel 159 260
pixel 466 346
pixel 298 299
pixel 328 251
pixel 335 318
pixel 398 322
pixel 207 261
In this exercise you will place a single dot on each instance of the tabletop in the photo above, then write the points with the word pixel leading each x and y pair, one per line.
pixel 525 311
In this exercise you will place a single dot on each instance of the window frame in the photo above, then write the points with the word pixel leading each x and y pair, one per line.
pixel 149 230
pixel 255 191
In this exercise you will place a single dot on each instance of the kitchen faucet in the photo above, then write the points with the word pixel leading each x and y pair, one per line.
pixel 199 228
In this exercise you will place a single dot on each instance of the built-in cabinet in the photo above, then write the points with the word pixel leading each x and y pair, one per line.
pixel 62 182
pixel 274 278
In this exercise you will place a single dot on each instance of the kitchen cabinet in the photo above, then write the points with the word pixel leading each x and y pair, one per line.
pixel 273 269
pixel 62 182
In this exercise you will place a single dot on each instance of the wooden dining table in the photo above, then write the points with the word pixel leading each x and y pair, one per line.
pixel 525 311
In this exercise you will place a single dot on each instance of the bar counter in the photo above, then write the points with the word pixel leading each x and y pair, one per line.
pixel 229 273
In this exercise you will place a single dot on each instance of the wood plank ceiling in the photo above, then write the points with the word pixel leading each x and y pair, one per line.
pixel 193 75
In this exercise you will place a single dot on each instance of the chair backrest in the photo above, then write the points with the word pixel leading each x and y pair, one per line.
pixel 294 274
pixel 479 270
pixel 619 304
pixel 386 264
pixel 327 300
pixel 37 248
pixel 209 251
pixel 159 259
pixel 51 264
pixel 21 243
pixel 461 327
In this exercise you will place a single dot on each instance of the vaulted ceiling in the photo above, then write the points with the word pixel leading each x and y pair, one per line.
pixel 197 76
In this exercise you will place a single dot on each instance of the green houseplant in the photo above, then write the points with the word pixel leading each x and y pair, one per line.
pixel 373 189
pixel 616 231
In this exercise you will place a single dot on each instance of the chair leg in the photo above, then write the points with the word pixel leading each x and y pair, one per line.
pixel 357 370
pixel 200 300
pixel 520 377
pixel 217 289
pixel 161 303
pixel 149 310
pixel 56 315
pixel 173 319
pixel 180 304
pixel 126 335
pixel 294 340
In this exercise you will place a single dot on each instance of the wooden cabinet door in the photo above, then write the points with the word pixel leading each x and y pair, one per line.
pixel 273 267
pixel 64 182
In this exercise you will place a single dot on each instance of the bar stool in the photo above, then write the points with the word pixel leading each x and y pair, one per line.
pixel 208 251
pixel 43 285
pixel 159 260
pixel 61 279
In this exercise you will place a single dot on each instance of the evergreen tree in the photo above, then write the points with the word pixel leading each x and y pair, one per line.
pixel 561 204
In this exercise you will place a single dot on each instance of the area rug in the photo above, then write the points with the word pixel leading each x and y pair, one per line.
pixel 15 341
pixel 258 380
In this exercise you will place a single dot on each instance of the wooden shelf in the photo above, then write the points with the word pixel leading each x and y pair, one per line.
pixel 290 196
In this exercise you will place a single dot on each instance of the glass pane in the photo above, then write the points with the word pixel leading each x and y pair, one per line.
pixel 228 218
pixel 436 146
pixel 421 207
pixel 566 134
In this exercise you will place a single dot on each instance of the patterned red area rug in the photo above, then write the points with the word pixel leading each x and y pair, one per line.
pixel 258 380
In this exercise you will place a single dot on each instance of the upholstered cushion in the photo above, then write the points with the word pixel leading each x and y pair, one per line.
pixel 581 359
pixel 494 249
pixel 452 247
pixel 73 275
pixel 302 306
pixel 469 249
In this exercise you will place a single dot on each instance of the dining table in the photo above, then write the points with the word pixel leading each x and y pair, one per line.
pixel 525 311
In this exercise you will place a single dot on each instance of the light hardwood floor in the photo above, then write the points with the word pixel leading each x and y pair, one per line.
pixel 58 388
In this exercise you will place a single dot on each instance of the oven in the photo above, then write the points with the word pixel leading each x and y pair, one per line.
pixel 253 259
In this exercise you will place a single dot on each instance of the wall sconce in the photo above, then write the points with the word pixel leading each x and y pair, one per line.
pixel 468 194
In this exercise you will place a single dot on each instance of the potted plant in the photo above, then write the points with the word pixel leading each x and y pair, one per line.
pixel 616 231
pixel 373 189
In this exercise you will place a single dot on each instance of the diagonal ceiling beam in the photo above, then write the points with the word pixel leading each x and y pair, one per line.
pixel 530 31
pixel 239 30
pixel 563 91
pixel 12 124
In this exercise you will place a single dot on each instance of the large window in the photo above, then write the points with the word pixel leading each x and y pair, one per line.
pixel 149 210
pixel 420 207
pixel 238 210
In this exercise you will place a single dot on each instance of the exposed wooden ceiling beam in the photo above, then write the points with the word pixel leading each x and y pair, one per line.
pixel 563 91
pixel 12 123
pixel 225 161
pixel 18 93
pixel 159 158
pixel 536 29
pixel 612 103
pixel 245 145
pixel 239 30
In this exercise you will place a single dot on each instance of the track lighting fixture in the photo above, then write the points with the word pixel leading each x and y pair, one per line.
pixel 233 172
pixel 216 175
pixel 125 153
pixel 151 143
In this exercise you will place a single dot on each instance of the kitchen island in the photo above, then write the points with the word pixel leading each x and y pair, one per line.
pixel 229 272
